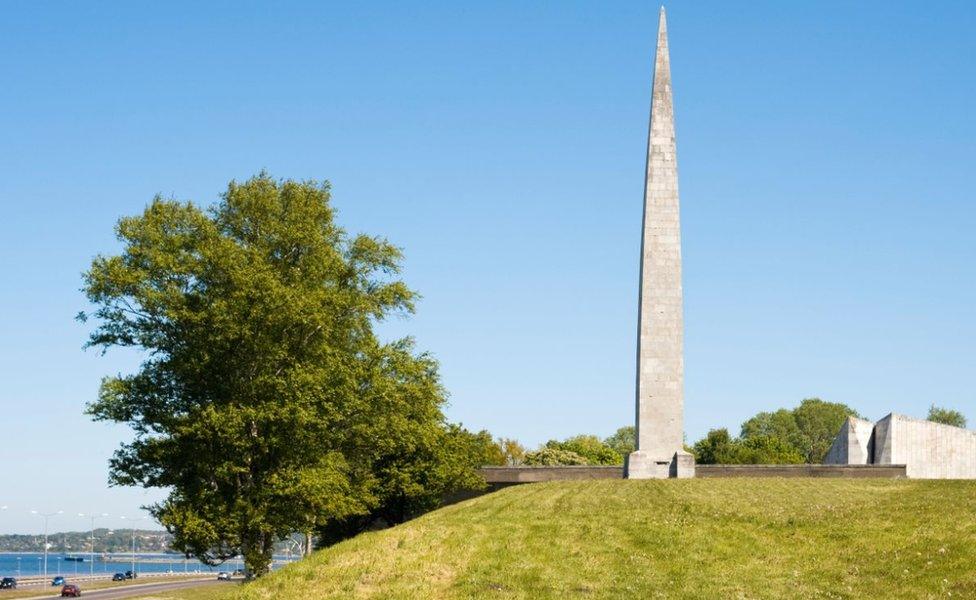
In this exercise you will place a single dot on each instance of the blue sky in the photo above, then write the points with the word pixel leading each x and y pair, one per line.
pixel 826 156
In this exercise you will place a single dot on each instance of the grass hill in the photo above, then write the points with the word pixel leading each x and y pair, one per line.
pixel 705 538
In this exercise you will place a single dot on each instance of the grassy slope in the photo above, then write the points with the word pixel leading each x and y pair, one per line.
pixel 760 538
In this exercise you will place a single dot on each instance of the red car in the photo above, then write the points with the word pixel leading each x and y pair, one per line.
pixel 70 591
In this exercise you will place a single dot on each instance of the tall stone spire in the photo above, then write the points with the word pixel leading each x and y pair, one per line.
pixel 660 362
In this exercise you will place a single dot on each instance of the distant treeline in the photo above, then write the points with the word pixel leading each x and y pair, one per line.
pixel 71 542
pixel 106 541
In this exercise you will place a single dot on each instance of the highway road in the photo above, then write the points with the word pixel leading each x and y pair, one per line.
pixel 140 590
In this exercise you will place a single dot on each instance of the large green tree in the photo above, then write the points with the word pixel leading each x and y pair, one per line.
pixel 265 404
pixel 810 427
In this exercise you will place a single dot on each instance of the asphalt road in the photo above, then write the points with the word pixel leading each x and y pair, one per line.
pixel 135 591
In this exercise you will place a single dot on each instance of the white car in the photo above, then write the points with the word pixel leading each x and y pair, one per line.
pixel 223 576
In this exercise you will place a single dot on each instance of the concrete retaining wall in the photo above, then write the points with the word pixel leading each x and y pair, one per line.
pixel 537 474
pixel 498 477
pixel 827 471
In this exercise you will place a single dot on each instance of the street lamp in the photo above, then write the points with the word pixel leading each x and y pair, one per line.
pixel 134 519
pixel 91 548
pixel 46 516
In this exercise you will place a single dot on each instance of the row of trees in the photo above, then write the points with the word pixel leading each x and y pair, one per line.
pixel 802 434
pixel 798 435
pixel 576 450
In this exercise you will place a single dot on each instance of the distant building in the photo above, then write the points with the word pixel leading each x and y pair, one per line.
pixel 928 450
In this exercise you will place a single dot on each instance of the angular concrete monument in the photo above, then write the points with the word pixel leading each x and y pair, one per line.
pixel 854 444
pixel 928 450
pixel 660 363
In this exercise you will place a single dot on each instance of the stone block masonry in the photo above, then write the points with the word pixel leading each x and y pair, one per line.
pixel 660 320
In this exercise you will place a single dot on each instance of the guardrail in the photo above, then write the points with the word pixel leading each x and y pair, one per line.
pixel 40 580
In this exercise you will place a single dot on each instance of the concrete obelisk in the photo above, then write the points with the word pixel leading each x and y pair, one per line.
pixel 660 362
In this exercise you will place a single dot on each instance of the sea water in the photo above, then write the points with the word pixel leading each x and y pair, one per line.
pixel 31 564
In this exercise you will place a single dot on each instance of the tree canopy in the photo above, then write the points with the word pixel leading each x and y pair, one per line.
pixel 623 441
pixel 546 456
pixel 266 403
pixel 718 447
pixel 590 447
pixel 810 427
pixel 946 416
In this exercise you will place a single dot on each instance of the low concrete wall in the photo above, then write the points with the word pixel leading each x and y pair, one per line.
pixel 537 474
pixel 499 477
pixel 830 471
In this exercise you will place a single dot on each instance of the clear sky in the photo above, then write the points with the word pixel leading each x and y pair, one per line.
pixel 826 155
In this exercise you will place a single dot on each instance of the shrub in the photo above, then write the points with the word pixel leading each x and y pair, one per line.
pixel 719 448
pixel 590 447
pixel 946 416
pixel 553 457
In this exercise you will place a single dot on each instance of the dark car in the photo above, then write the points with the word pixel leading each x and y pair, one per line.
pixel 131 574
pixel 8 583
pixel 118 577
pixel 57 581
pixel 70 591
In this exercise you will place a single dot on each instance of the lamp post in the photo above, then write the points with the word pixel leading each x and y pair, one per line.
pixel 108 534
pixel 91 548
pixel 46 516
pixel 134 519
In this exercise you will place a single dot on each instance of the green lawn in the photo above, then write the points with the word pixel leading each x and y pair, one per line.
pixel 717 538
pixel 221 591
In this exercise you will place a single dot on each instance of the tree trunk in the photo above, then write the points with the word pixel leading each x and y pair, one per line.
pixel 258 550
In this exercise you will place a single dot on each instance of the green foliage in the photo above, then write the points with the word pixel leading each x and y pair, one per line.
pixel 623 441
pixel 553 457
pixel 767 450
pixel 946 416
pixel 810 428
pixel 485 451
pixel 590 447
pixel 513 451
pixel 781 424
pixel 718 447
pixel 715 448
pixel 265 403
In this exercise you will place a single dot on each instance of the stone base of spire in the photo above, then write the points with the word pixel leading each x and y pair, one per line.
pixel 641 465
